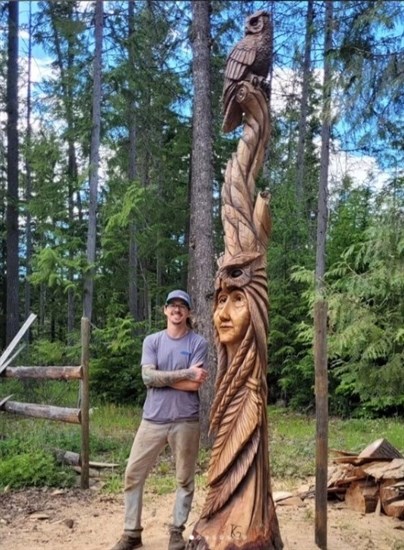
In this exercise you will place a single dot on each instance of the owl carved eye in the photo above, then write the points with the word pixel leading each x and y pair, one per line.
pixel 236 273
pixel 254 22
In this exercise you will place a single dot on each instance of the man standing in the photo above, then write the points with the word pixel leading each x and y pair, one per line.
pixel 173 369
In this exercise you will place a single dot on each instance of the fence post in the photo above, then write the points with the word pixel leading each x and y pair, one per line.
pixel 85 405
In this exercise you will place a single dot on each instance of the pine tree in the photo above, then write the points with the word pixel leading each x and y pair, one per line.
pixel 12 323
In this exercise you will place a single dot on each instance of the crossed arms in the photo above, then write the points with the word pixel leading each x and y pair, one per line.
pixel 184 379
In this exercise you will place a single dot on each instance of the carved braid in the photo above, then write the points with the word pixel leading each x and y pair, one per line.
pixel 234 378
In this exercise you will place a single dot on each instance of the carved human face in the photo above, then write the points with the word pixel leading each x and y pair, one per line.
pixel 231 316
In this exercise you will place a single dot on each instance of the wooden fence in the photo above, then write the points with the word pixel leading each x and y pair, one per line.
pixel 64 414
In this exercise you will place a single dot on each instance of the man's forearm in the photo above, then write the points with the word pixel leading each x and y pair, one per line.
pixel 186 385
pixel 154 378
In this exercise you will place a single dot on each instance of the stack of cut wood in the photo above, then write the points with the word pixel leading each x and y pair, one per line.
pixel 371 481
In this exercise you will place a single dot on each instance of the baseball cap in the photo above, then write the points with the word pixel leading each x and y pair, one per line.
pixel 180 295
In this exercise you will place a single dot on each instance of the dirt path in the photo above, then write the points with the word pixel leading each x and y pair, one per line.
pixel 89 520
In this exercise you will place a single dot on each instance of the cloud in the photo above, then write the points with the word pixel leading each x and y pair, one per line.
pixel 363 170
pixel 40 69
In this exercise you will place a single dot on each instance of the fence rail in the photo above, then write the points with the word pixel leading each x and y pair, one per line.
pixel 51 412
pixel 52 373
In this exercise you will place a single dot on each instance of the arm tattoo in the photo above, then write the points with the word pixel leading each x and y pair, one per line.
pixel 153 378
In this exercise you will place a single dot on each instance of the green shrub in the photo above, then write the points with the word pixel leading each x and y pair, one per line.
pixel 34 469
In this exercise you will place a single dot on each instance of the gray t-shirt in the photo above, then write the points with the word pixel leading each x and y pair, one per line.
pixel 167 354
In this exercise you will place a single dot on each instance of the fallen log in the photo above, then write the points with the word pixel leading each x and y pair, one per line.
pixel 74 459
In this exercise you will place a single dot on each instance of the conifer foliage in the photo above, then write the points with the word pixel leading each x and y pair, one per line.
pixel 154 207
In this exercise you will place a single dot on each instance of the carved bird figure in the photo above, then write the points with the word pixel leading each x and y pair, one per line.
pixel 249 58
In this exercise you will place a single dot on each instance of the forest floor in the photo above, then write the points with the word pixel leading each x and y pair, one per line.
pixel 39 519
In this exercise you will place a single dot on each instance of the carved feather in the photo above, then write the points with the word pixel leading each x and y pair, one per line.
pixel 220 493
pixel 240 58
pixel 238 423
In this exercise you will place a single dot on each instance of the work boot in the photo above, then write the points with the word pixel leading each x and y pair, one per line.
pixel 126 542
pixel 177 541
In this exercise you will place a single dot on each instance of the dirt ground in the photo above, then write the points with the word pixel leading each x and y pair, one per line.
pixel 90 520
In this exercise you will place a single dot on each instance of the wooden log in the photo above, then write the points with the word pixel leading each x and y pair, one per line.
pixel 392 498
pixel 92 472
pixel 344 474
pixel 67 457
pixel 380 449
pixel 340 453
pixel 346 459
pixel 362 496
pixel 100 465
pixel 392 470
pixel 74 459
pixel 49 412
pixel 396 509
pixel 51 373
pixel 358 461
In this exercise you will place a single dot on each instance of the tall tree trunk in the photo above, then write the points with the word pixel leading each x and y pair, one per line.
pixel 132 172
pixel 72 177
pixel 12 173
pixel 72 171
pixel 28 190
pixel 94 163
pixel 320 307
pixel 201 270
pixel 72 174
pixel 300 159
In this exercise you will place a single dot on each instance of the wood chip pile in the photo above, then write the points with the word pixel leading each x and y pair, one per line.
pixel 371 481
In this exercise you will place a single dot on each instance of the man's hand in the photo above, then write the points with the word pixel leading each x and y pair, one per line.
pixel 197 376
pixel 198 373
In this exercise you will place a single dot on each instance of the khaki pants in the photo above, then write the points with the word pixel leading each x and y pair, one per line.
pixel 150 440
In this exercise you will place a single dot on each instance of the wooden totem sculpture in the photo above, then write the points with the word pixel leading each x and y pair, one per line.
pixel 239 512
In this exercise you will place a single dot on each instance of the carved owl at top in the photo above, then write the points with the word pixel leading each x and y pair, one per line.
pixel 249 58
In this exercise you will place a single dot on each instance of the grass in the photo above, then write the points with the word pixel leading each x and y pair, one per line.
pixel 292 446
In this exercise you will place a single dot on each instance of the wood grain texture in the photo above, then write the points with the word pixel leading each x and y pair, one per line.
pixel 239 511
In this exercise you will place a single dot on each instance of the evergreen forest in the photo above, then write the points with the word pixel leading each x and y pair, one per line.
pixel 111 166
